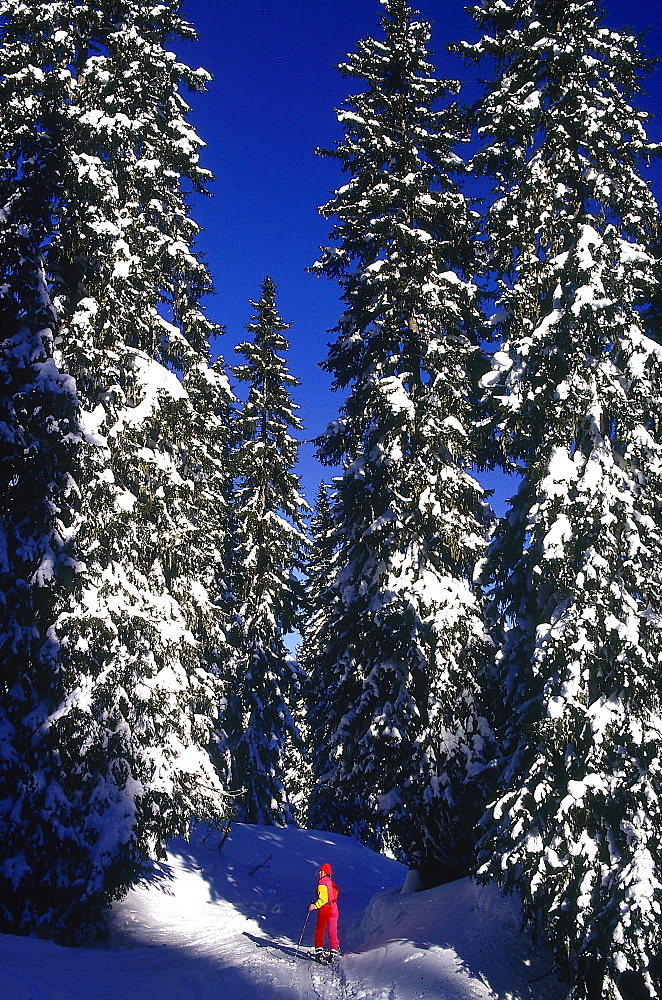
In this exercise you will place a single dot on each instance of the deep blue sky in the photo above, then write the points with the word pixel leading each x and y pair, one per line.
pixel 271 102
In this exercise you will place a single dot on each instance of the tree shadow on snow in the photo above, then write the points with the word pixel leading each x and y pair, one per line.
pixel 168 972
pixel 290 950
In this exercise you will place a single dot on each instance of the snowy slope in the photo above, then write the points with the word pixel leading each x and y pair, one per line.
pixel 224 924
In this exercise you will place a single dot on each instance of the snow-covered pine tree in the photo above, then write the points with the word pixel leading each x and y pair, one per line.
pixel 319 572
pixel 318 575
pixel 394 717
pixel 40 438
pixel 112 704
pixel 271 547
pixel 575 565
pixel 319 569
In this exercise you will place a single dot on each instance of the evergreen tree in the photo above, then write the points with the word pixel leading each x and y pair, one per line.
pixel 40 439
pixel 109 702
pixel 575 565
pixel 319 572
pixel 270 550
pixel 322 547
pixel 394 717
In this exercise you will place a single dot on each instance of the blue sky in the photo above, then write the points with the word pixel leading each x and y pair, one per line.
pixel 270 104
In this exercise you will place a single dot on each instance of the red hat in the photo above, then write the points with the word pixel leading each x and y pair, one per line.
pixel 326 869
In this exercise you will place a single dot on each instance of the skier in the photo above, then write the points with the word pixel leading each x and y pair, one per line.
pixel 326 905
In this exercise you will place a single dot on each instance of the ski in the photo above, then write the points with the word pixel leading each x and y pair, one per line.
pixel 325 958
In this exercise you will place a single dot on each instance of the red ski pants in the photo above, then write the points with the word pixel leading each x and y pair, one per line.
pixel 327 917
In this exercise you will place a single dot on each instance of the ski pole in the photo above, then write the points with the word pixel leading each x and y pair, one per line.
pixel 303 929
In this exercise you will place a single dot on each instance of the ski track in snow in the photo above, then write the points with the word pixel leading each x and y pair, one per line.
pixel 211 925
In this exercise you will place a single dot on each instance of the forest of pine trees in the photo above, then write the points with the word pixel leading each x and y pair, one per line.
pixel 473 694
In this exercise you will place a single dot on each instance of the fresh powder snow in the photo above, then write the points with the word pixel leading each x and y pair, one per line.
pixel 219 920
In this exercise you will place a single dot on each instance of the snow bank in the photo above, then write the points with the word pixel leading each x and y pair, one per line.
pixel 457 940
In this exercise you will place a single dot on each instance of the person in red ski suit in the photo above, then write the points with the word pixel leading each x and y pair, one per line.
pixel 327 913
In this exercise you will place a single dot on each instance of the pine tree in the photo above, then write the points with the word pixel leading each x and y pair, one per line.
pixel 270 550
pixel 394 713
pixel 110 700
pixel 319 568
pixel 319 573
pixel 575 565
pixel 40 439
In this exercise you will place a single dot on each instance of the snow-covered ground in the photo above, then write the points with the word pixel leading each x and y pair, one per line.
pixel 224 924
